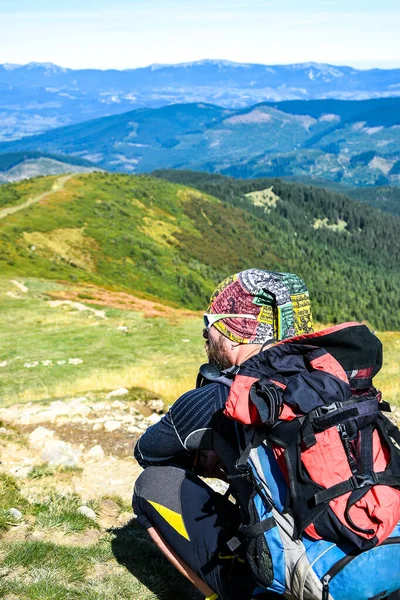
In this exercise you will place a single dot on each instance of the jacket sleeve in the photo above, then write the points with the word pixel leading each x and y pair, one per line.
pixel 160 445
pixel 184 429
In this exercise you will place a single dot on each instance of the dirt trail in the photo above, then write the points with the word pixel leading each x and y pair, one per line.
pixel 57 186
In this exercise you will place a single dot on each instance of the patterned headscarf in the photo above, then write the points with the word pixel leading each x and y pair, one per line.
pixel 279 301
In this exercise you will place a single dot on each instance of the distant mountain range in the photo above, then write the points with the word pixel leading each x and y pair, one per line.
pixel 40 96
pixel 352 143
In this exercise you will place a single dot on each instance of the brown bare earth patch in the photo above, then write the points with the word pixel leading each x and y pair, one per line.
pixel 117 443
pixel 92 294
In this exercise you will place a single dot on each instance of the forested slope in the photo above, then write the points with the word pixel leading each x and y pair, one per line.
pixel 349 253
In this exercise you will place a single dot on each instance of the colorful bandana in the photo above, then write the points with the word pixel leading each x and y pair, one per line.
pixel 279 301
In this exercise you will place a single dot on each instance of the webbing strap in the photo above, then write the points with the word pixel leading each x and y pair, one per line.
pixel 267 400
pixel 356 482
pixel 241 463
pixel 330 420
pixel 365 458
pixel 261 527
pixel 354 497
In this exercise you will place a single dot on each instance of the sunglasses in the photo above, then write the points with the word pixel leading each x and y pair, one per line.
pixel 211 318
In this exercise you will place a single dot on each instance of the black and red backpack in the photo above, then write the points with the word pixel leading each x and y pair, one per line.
pixel 323 460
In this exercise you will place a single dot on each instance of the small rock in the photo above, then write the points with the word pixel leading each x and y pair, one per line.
pixel 87 512
pixel 134 429
pixel 97 426
pixel 61 362
pixel 125 517
pixel 39 435
pixel 20 286
pixel 75 361
pixel 95 452
pixel 21 471
pixel 15 514
pixel 185 340
pixel 47 363
pixel 57 452
pixel 76 407
pixel 31 365
pixel 118 404
pixel 123 328
pixel 152 419
pixel 3 430
pixel 112 425
pixel 119 392
pixel 36 536
pixel 110 508
pixel 3 364
pixel 156 405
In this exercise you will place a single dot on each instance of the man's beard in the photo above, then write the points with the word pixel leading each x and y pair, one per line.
pixel 217 354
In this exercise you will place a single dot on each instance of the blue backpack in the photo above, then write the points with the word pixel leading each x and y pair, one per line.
pixel 308 569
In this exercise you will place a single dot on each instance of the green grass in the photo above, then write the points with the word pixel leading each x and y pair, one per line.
pixel 45 470
pixel 60 511
pixel 12 195
pixel 10 497
pixel 121 564
pixel 388 380
pixel 151 354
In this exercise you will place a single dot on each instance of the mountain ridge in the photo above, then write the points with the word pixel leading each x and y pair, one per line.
pixel 321 139
pixel 39 96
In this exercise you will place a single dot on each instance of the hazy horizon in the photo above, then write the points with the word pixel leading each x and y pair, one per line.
pixel 124 34
pixel 384 65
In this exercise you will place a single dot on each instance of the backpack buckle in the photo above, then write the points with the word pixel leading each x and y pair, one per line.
pixel 325 409
pixel 361 480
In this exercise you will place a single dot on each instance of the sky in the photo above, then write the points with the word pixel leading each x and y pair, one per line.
pixel 125 34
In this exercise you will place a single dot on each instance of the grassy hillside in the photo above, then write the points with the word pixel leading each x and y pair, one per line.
pixel 158 240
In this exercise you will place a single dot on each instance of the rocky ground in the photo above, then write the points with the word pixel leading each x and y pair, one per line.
pixel 92 435
pixel 66 477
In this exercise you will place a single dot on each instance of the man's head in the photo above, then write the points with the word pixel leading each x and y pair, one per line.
pixel 252 308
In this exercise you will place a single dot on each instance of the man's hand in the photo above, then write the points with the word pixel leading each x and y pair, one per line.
pixel 208 464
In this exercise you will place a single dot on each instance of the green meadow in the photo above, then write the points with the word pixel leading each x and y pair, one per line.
pixel 41 343
pixel 58 350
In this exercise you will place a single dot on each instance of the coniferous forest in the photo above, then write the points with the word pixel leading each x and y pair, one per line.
pixel 350 263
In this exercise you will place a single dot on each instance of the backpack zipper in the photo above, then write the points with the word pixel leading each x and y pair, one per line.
pixel 334 570
pixel 343 562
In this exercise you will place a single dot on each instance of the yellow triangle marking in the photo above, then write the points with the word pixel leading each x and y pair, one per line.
pixel 172 517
